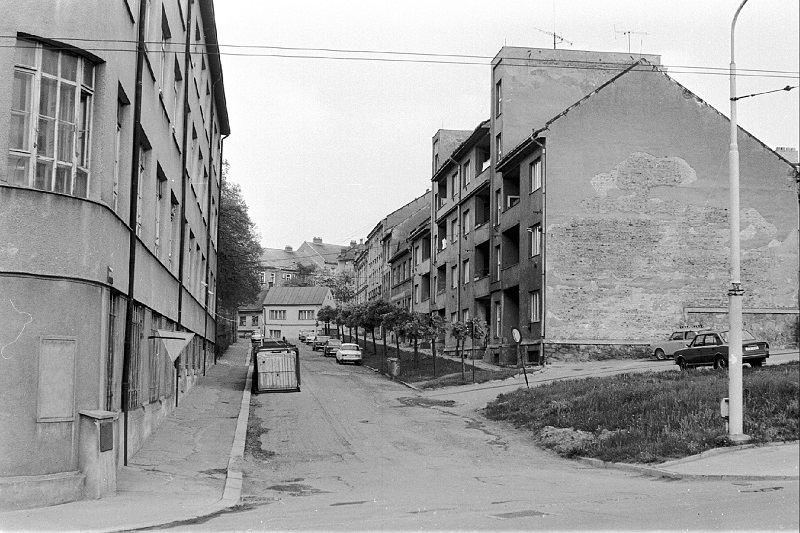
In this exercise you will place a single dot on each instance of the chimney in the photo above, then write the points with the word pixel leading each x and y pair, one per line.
pixel 352 243
pixel 317 240
pixel 288 248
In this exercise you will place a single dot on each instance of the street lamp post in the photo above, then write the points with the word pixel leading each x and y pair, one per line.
pixel 735 293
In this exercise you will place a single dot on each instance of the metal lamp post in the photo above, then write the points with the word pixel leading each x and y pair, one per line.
pixel 736 293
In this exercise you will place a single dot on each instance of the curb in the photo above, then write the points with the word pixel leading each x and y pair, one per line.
pixel 662 470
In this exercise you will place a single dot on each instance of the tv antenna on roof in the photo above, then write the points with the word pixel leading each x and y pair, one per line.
pixel 555 36
pixel 628 33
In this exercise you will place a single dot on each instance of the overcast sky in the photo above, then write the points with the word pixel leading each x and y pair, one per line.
pixel 325 147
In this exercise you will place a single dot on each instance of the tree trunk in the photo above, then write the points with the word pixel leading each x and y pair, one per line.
pixel 374 344
pixel 461 352
pixel 383 334
pixel 397 344
pixel 416 353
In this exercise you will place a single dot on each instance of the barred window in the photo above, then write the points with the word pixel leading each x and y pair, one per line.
pixel 306 315
pixel 51 116
pixel 277 314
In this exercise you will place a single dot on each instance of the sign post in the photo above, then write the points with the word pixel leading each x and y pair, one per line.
pixel 517 336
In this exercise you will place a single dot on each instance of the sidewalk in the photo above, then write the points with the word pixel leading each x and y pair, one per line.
pixel 190 467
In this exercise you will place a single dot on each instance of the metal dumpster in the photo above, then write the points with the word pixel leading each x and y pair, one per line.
pixel 276 370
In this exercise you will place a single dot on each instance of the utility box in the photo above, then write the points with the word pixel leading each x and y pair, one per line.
pixel 97 457
pixel 276 371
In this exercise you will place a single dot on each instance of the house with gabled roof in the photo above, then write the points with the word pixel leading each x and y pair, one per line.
pixel 287 310
pixel 609 201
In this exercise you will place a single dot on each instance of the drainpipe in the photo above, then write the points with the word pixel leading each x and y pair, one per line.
pixel 137 139
pixel 187 58
pixel 543 327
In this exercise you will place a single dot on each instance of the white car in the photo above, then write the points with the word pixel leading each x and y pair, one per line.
pixel 349 353
pixel 679 340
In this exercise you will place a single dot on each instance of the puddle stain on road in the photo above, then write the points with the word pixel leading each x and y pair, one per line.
pixel 425 402
pixel 349 503
pixel 518 514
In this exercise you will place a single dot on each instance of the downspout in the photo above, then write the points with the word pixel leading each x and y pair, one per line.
pixel 187 59
pixel 134 207
pixel 544 255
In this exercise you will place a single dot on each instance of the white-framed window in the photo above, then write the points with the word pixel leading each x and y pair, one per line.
pixel 498 146
pixel 243 320
pixel 467 172
pixel 51 117
pixel 498 319
pixel 536 306
pixel 166 35
pixel 536 239
pixel 272 277
pixel 275 333
pixel 466 271
pixel 454 277
pixel 177 78
pixel 143 152
pixel 262 277
pixel 465 315
pixel 161 185
pixel 454 184
pixel 453 230
pixel 453 317
pixel 305 314
pixel 498 263
pixel 535 174
pixel 467 223
pixel 277 314
pixel 117 155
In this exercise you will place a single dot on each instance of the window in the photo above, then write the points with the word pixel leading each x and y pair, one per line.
pixel 453 184
pixel 453 230
pixel 498 319
pixel 417 256
pixel 453 317
pixel 535 174
pixel 117 149
pixel 161 182
pixel 465 315
pixel 255 320
pixel 498 260
pixel 139 198
pixel 272 277
pixel 466 172
pixel 177 78
pixel 51 116
pixel 498 146
pixel 279 314
pixel 242 320
pixel 466 221
pixel 262 277
pixel 536 239
pixel 498 202
pixel 454 276
pixel 498 98
pixel 166 35
pixel 275 333
pixel 306 315
pixel 536 306
pixel 466 271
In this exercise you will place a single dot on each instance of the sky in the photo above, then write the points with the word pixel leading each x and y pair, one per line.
pixel 332 116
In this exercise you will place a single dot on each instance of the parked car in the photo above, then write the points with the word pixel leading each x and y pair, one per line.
pixel 710 348
pixel 305 333
pixel 329 350
pixel 679 339
pixel 319 342
pixel 348 353
pixel 310 338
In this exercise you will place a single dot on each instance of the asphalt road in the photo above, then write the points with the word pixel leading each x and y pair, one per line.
pixel 354 451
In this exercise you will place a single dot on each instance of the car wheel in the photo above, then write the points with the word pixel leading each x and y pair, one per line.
pixel 757 363
pixel 720 363
pixel 660 355
pixel 681 362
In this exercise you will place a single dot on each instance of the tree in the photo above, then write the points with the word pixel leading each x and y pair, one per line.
pixel 372 318
pixel 326 315
pixel 305 277
pixel 431 328
pixel 398 320
pixel 342 286
pixel 459 331
pixel 239 250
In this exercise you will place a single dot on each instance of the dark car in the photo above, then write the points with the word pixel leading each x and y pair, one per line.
pixel 330 347
pixel 710 348
pixel 319 342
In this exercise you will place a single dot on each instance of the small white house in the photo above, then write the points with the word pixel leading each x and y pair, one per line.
pixel 287 310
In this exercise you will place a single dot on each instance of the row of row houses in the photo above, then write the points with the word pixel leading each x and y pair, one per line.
pixel 589 211
pixel 112 120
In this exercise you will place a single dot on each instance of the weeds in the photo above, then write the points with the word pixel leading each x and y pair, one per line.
pixel 654 417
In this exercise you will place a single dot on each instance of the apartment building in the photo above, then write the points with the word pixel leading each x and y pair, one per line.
pixel 112 118
pixel 461 235
pixel 609 200
pixel 420 239
pixel 373 275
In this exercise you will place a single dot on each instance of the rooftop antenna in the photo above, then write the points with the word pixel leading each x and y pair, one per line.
pixel 555 36
pixel 628 33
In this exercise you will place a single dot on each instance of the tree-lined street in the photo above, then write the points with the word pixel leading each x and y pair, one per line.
pixel 356 451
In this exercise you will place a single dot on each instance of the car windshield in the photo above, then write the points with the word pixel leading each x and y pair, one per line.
pixel 746 336
pixel 350 347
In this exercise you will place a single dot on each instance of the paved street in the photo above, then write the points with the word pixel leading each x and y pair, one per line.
pixel 354 451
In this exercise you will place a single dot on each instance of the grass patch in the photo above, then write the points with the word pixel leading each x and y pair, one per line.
pixel 447 372
pixel 652 417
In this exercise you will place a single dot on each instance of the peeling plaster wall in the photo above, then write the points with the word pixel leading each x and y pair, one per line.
pixel 637 221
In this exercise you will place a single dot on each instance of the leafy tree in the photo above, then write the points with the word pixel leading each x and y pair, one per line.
pixel 398 320
pixel 372 317
pixel 239 249
pixel 459 331
pixel 326 315
pixel 305 277
pixel 432 327
pixel 342 286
